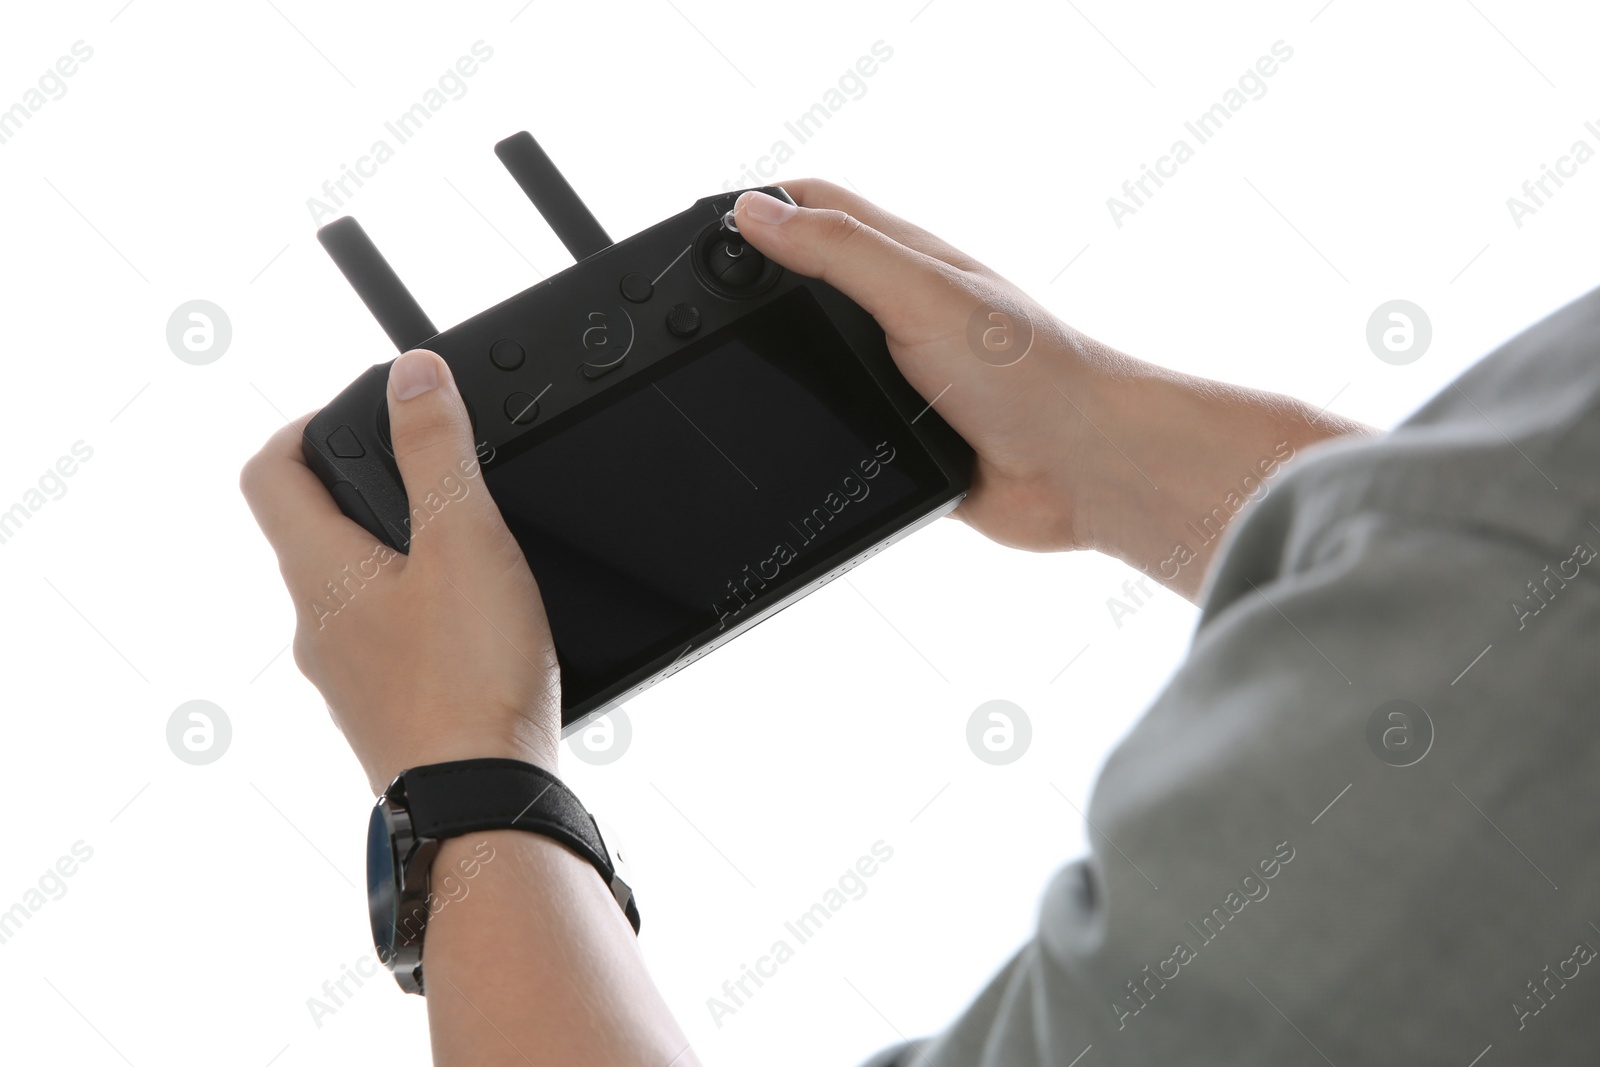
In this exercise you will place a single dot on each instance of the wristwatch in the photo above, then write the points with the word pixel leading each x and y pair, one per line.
pixel 426 805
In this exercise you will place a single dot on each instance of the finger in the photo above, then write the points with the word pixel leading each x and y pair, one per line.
pixel 816 193
pixel 914 296
pixel 451 513
pixel 310 535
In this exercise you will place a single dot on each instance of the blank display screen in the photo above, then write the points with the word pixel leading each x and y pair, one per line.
pixel 704 488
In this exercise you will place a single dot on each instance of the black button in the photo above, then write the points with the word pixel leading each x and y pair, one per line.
pixel 684 320
pixel 344 443
pixel 506 354
pixel 637 287
pixel 522 408
pixel 591 371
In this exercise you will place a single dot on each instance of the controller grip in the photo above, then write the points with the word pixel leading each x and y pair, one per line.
pixel 345 449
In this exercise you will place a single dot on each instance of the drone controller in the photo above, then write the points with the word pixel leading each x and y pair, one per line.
pixel 683 437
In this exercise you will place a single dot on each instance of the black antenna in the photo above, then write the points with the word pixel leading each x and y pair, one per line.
pixel 376 283
pixel 566 214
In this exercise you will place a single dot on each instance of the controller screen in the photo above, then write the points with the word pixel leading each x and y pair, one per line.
pixel 703 488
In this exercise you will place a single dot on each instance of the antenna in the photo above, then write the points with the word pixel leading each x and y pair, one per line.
pixel 376 283
pixel 561 207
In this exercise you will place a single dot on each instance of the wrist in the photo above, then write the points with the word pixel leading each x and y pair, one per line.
pixel 1176 459
pixel 527 745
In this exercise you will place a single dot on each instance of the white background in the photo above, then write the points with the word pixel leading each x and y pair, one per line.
pixel 177 166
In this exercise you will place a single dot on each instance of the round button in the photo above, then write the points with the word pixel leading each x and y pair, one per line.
pixel 637 287
pixel 506 354
pixel 522 408
pixel 684 320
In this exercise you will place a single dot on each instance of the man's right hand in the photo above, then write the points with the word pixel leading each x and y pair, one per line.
pixel 924 293
pixel 1078 445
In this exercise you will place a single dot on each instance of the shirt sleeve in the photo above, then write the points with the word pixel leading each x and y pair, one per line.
pixel 1359 824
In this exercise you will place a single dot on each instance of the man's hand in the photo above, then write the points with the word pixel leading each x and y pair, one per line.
pixel 924 294
pixel 445 654
pixel 1078 445
pixel 441 654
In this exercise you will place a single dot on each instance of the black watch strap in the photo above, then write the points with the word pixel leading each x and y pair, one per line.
pixel 465 796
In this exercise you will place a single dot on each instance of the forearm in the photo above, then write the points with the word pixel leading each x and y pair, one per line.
pixel 1178 458
pixel 536 963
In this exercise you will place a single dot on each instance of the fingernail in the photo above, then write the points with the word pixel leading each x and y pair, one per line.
pixel 413 374
pixel 764 208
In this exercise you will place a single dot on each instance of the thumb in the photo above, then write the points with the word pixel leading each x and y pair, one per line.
pixel 915 297
pixel 433 448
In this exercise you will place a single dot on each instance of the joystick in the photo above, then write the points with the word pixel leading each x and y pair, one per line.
pixel 731 261
pixel 731 265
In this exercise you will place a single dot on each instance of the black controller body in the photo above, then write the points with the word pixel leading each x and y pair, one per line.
pixel 605 329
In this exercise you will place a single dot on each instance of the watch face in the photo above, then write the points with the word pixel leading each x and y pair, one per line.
pixel 381 896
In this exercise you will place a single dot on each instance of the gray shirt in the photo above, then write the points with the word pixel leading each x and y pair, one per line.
pixel 1370 797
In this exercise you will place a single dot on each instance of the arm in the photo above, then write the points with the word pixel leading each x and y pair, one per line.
pixel 537 963
pixel 1202 451
pixel 446 655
